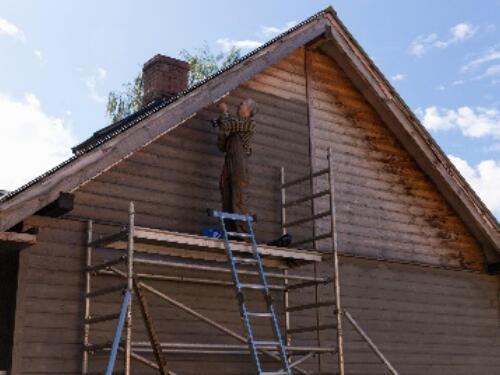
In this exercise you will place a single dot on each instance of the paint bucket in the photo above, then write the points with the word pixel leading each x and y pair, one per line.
pixel 209 232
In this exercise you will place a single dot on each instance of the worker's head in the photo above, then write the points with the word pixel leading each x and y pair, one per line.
pixel 247 108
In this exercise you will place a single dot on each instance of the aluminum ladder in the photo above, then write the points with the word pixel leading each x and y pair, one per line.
pixel 254 345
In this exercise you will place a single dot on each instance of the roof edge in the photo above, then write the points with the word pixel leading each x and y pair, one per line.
pixel 386 94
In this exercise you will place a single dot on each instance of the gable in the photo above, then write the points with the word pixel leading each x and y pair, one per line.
pixel 155 122
pixel 386 206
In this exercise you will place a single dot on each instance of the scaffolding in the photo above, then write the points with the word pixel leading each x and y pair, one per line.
pixel 142 246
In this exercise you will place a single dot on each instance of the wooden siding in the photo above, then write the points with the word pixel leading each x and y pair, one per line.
pixel 387 207
pixel 174 180
pixel 425 320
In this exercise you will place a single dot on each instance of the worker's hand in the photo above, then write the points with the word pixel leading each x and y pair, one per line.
pixel 222 106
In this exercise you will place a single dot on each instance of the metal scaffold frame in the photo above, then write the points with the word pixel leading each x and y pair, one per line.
pixel 135 284
pixel 135 288
pixel 333 256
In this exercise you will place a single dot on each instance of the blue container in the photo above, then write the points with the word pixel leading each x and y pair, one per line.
pixel 212 233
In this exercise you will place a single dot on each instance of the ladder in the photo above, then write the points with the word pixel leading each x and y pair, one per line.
pixel 332 255
pixel 328 215
pixel 247 316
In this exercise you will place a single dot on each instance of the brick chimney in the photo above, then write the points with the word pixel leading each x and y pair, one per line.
pixel 164 76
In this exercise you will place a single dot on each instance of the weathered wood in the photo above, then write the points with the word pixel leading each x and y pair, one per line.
pixel 153 337
pixel 427 320
pixel 102 158
pixel 21 238
pixel 13 241
pixel 411 134
pixel 62 205
pixel 383 206
pixel 411 291
pixel 147 239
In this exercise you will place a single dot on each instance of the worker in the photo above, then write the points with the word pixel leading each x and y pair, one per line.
pixel 234 139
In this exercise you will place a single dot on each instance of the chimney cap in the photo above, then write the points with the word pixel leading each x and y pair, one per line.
pixel 159 58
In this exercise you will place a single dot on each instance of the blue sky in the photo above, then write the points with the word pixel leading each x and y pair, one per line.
pixel 59 59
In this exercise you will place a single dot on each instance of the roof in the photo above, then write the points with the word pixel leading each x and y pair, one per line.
pixel 105 134
pixel 115 142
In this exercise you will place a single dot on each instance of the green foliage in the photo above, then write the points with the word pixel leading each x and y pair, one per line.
pixel 202 63
pixel 123 103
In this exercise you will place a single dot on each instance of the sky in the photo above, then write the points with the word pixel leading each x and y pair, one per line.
pixel 59 60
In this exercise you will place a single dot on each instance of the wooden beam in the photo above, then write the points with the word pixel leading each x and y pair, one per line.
pixel 494 268
pixel 16 241
pixel 150 328
pixel 62 205
pixel 99 160
pixel 190 246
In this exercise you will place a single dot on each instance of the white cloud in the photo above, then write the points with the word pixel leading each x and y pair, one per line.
pixel 32 141
pixel 484 179
pixel 462 31
pixel 484 66
pixel 269 31
pixel 440 87
pixel 398 77
pixel 421 44
pixel 474 122
pixel 9 29
pixel 228 44
pixel 91 82
pixel 491 71
pixel 458 33
pixel 38 54
pixel 490 55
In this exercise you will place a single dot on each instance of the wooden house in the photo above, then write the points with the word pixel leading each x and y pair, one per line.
pixel 419 252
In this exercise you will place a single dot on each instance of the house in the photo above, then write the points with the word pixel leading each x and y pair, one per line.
pixel 419 252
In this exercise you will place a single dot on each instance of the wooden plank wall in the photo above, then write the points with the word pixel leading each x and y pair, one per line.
pixel 387 207
pixel 437 321
pixel 49 325
pixel 425 320
pixel 174 180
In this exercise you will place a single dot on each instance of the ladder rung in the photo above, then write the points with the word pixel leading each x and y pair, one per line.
pixel 252 286
pixel 309 218
pixel 260 314
pixel 245 260
pixel 107 264
pixel 230 216
pixel 238 234
pixel 98 347
pixel 310 306
pixel 305 178
pixel 111 289
pixel 312 239
pixel 306 284
pixel 274 373
pixel 312 328
pixel 266 343
pixel 308 198
pixel 101 318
